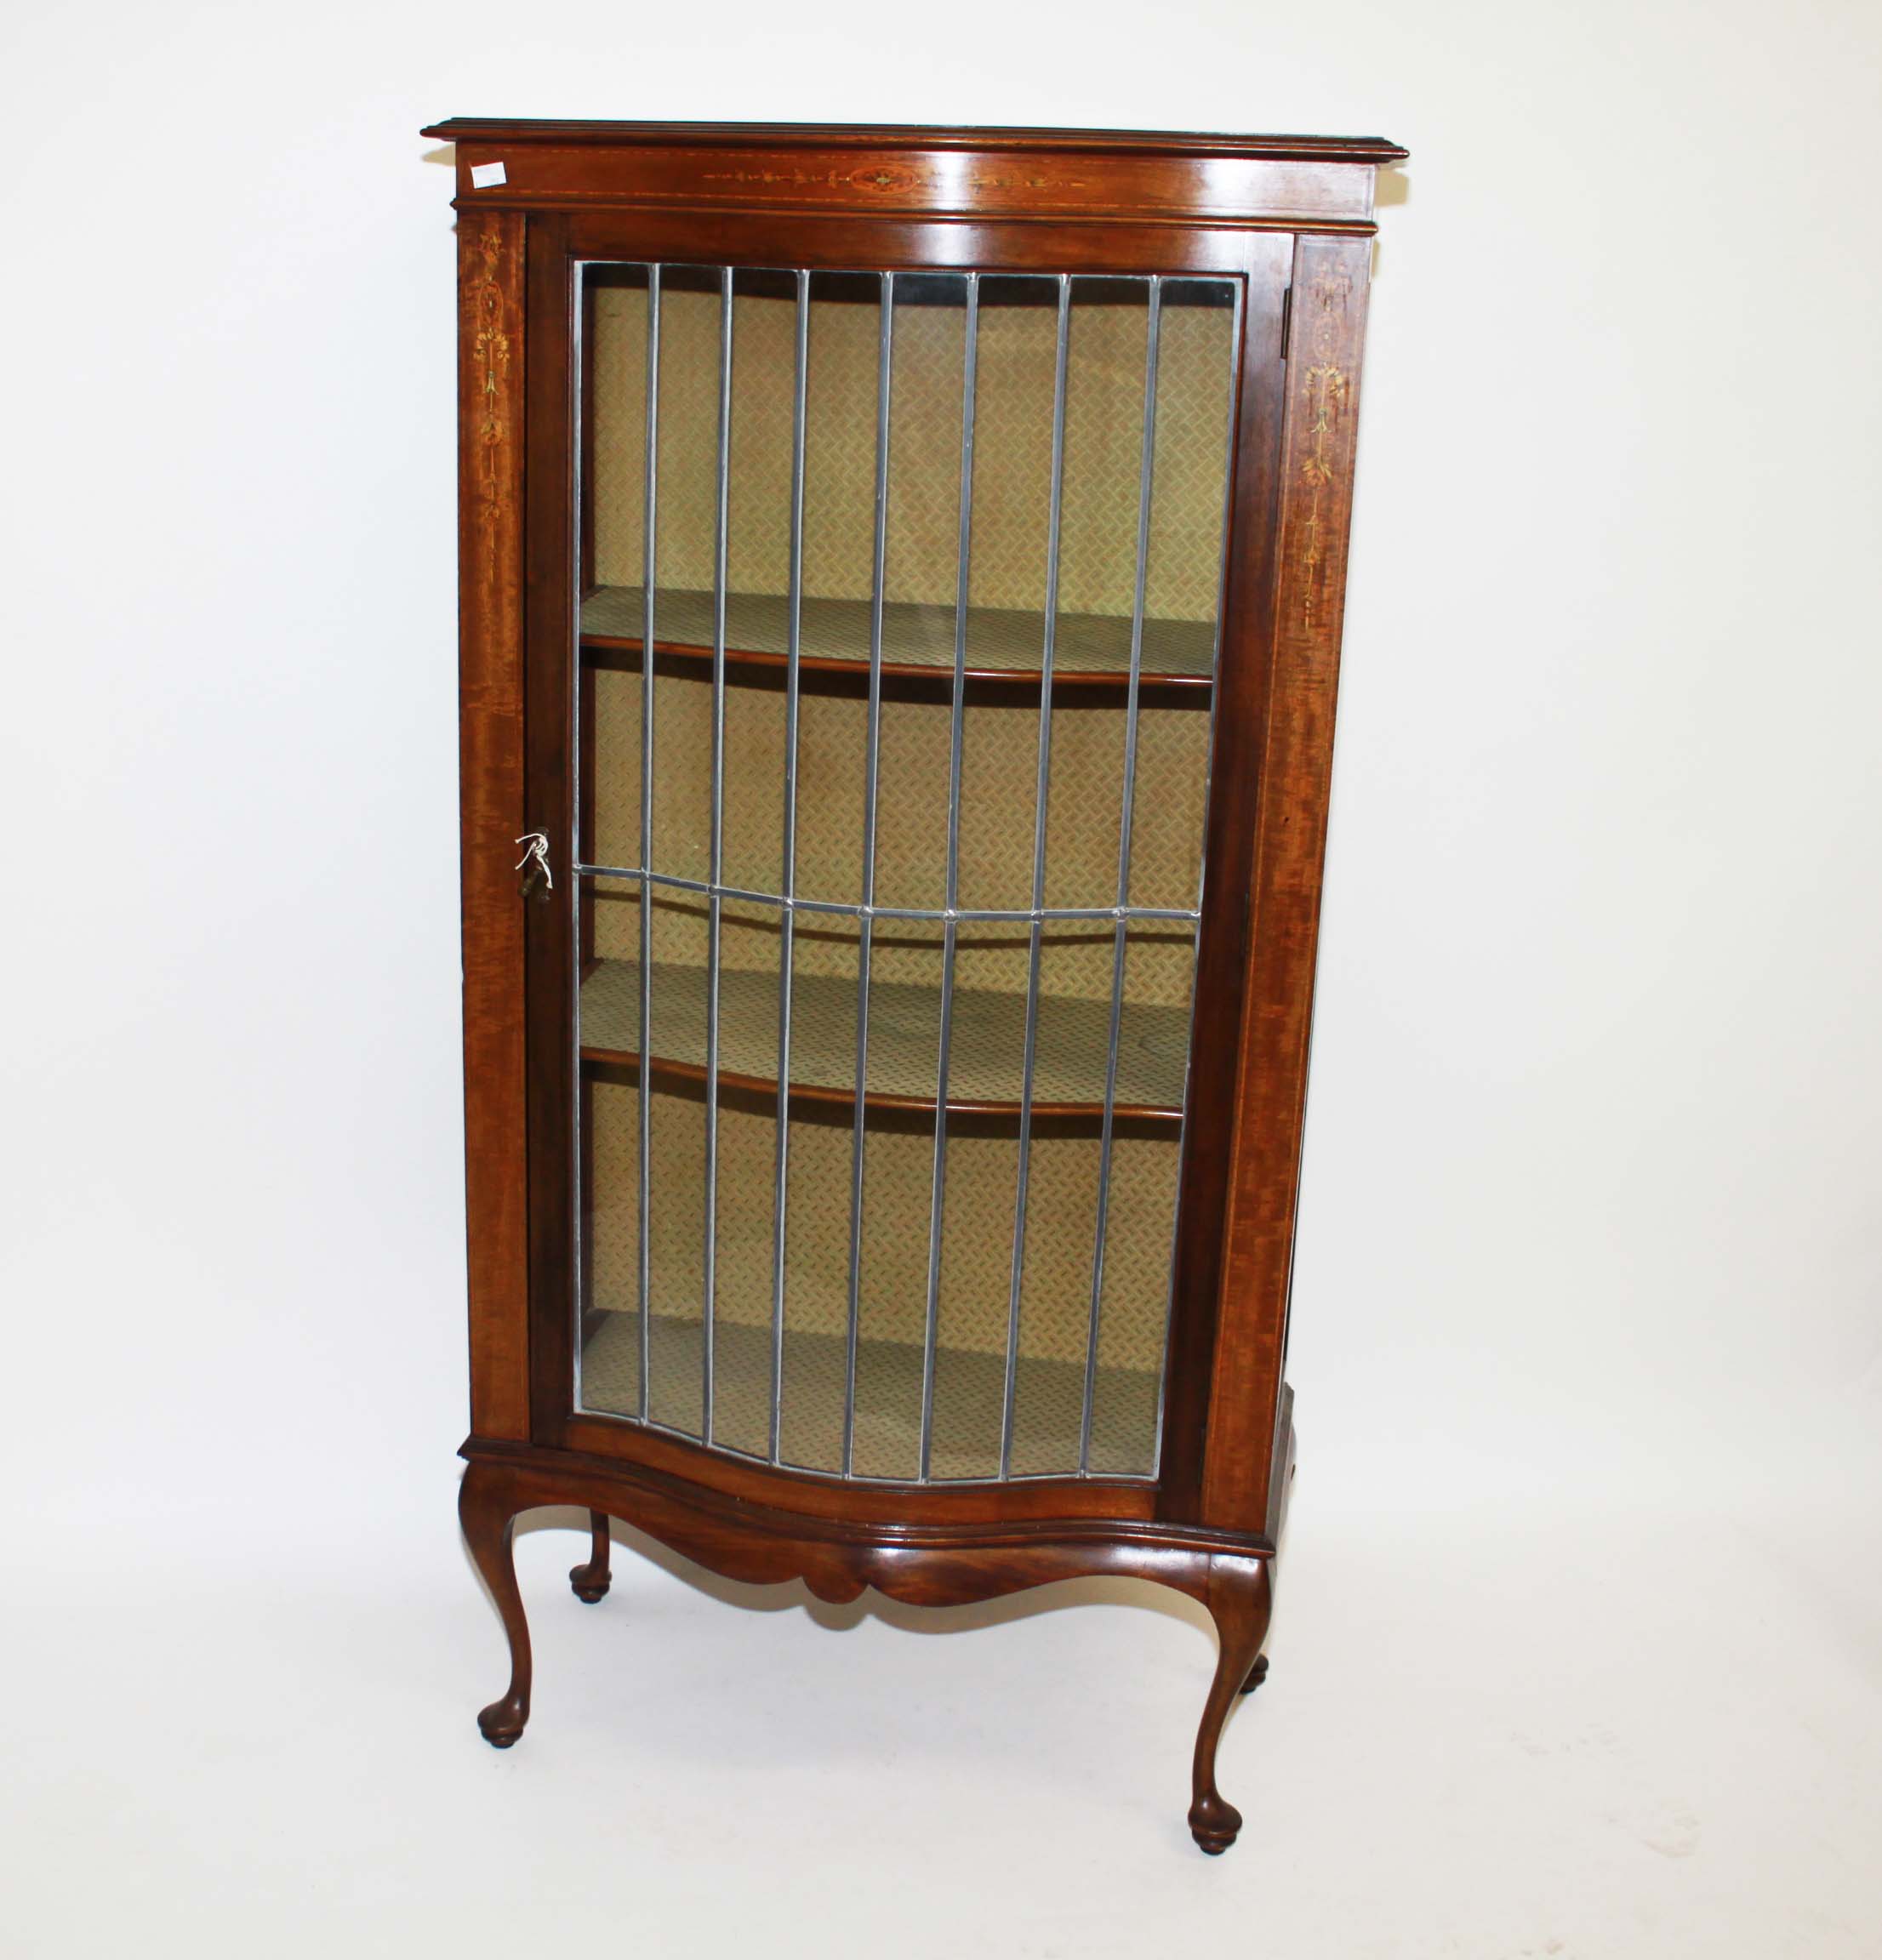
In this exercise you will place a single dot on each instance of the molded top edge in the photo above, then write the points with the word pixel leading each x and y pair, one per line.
pixel 917 136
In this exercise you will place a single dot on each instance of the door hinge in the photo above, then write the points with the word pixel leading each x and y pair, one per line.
pixel 1287 319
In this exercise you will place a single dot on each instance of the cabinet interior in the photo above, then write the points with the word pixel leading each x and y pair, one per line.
pixel 838 1262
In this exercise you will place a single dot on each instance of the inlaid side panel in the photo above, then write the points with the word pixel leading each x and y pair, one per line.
pixel 1316 488
pixel 490 393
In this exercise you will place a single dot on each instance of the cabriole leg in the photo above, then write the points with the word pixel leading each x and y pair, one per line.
pixel 590 1581
pixel 487 1514
pixel 1240 1599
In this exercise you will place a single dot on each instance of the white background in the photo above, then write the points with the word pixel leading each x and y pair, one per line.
pixel 1581 1633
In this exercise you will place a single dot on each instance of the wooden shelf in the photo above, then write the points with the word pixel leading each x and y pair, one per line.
pixel 1090 650
pixel 1048 1401
pixel 987 1043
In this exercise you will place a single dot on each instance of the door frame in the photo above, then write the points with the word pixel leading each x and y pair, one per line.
pixel 1264 261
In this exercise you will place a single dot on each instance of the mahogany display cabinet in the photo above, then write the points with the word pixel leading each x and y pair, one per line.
pixel 902 573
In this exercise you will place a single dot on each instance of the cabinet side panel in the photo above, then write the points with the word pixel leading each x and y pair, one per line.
pixel 490 417
pixel 1328 310
pixel 1244 669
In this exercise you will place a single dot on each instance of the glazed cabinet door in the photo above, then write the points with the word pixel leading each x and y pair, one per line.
pixel 876 642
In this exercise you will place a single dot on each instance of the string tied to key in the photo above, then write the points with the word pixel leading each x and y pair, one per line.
pixel 535 858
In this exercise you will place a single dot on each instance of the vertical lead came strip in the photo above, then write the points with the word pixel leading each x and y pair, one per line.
pixel 793 652
pixel 884 350
pixel 1039 873
pixel 1202 867
pixel 648 563
pixel 1123 864
pixel 938 1196
pixel 580 355
pixel 722 513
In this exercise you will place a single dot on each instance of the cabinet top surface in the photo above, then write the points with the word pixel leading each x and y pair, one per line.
pixel 1371 149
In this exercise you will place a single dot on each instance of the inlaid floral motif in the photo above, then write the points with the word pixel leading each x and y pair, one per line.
pixel 490 361
pixel 1327 401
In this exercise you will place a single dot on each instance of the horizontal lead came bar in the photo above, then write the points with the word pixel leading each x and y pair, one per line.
pixel 706 889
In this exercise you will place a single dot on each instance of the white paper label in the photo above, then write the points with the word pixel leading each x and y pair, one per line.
pixel 486 176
